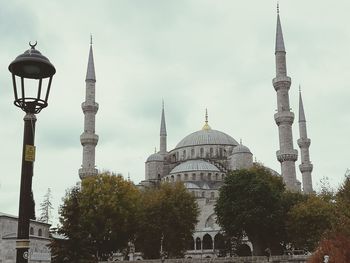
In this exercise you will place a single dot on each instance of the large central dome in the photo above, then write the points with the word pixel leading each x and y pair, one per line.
pixel 207 136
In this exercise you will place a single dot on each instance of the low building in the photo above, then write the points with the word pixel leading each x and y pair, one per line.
pixel 39 237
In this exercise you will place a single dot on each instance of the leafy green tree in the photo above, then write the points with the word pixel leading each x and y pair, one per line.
pixel 46 207
pixel 309 220
pixel 73 245
pixel 336 242
pixel 97 218
pixel 254 202
pixel 169 217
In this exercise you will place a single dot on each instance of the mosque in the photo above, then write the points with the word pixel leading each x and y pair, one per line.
pixel 202 159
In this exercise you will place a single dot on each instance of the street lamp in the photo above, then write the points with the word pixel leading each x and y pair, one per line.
pixel 30 65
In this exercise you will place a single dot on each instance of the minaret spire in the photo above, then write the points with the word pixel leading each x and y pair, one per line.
pixel 88 138
pixel 304 143
pixel 279 35
pixel 284 118
pixel 90 73
pixel 163 133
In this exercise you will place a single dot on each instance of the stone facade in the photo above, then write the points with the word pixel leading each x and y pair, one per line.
pixel 38 236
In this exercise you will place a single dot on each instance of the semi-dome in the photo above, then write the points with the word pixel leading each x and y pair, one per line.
pixel 241 149
pixel 207 137
pixel 156 157
pixel 194 165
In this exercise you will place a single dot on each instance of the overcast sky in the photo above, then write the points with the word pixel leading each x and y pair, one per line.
pixel 194 54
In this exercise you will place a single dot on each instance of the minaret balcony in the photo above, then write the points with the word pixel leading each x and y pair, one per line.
pixel 304 142
pixel 306 167
pixel 287 155
pixel 284 117
pixel 281 82
pixel 87 172
pixel 88 139
pixel 89 107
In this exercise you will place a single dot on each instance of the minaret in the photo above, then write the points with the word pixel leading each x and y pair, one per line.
pixel 88 138
pixel 163 143
pixel 304 144
pixel 284 118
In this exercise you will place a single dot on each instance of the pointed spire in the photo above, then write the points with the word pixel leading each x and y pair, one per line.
pixel 301 108
pixel 206 125
pixel 162 124
pixel 90 74
pixel 279 35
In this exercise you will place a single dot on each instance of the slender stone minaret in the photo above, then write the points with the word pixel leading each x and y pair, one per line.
pixel 304 144
pixel 284 118
pixel 88 138
pixel 163 134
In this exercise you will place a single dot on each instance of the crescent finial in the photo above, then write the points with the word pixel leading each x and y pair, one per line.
pixel 33 45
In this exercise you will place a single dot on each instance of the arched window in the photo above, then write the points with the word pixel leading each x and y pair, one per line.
pixel 203 194
pixel 186 177
pixel 212 195
pixel 177 156
pixel 172 179
pixel 216 177
pixel 201 176
pixel 193 177
pixel 219 242
pixel 201 152
pixel 178 177
pixel 220 152
pixel 192 153
pixel 211 152
pixel 207 242
pixel 40 232
pixel 31 231
pixel 198 244
pixel 209 176
pixel 184 154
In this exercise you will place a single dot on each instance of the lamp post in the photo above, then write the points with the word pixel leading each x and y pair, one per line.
pixel 31 65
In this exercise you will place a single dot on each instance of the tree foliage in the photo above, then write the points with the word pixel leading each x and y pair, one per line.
pixel 336 241
pixel 97 218
pixel 169 212
pixel 254 202
pixel 309 220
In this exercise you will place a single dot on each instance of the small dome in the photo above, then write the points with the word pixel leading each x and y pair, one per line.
pixel 207 137
pixel 241 149
pixel 194 165
pixel 156 157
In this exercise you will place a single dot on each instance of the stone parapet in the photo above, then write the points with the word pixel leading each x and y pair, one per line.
pixel 86 172
pixel 89 107
pixel 88 138
pixel 304 142
pixel 281 82
pixel 287 155
pixel 306 167
pixel 284 117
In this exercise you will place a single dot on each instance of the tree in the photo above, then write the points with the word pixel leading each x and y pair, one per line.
pixel 309 220
pixel 97 218
pixel 46 207
pixel 336 241
pixel 254 202
pixel 73 245
pixel 169 216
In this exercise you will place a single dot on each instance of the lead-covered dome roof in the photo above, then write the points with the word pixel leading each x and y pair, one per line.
pixel 156 157
pixel 194 165
pixel 207 137
pixel 241 149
